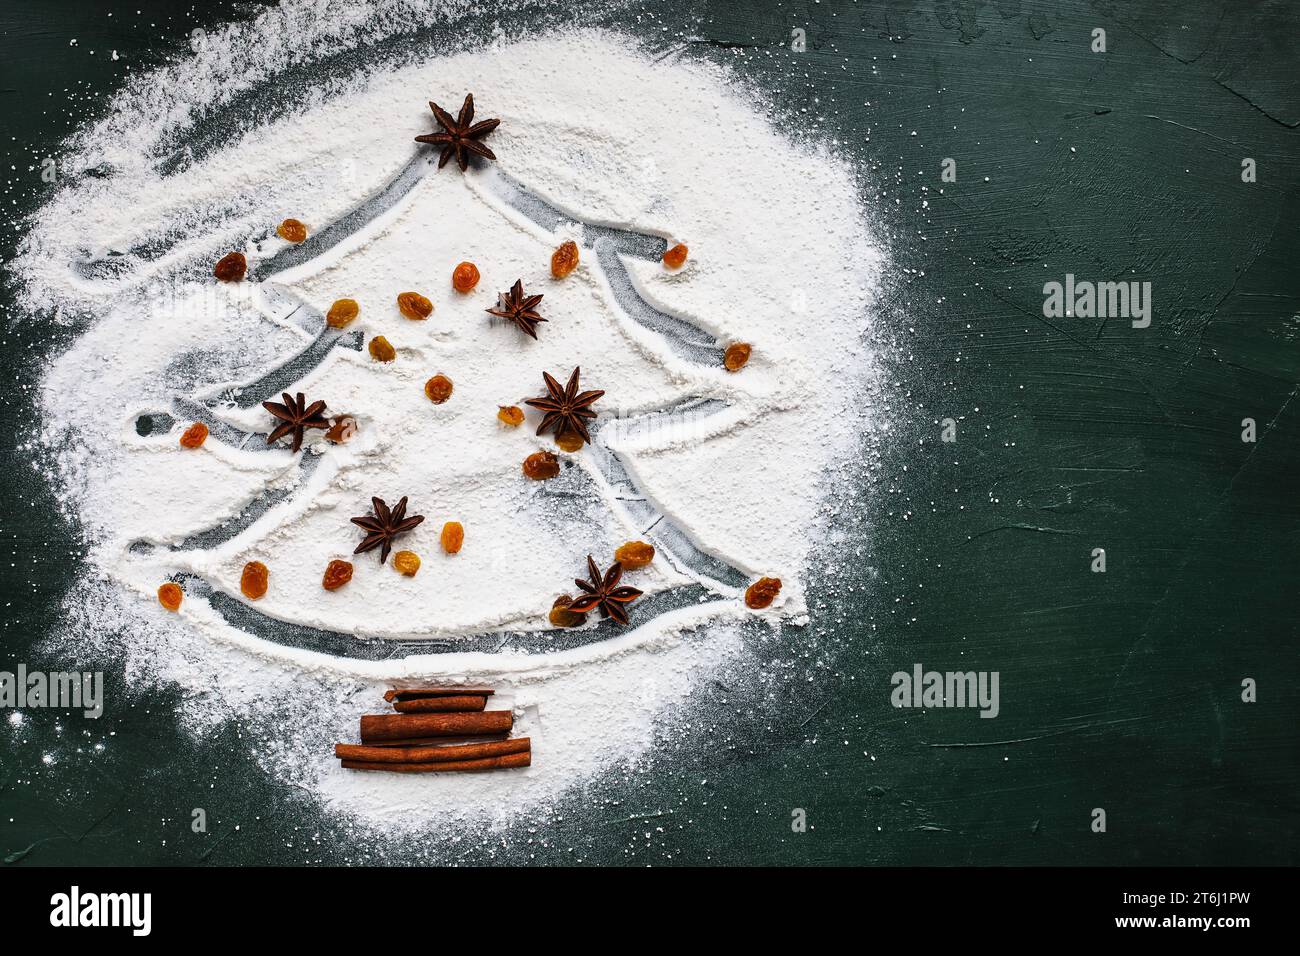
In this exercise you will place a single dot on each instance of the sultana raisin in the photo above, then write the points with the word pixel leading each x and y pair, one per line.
pixel 414 306
pixel 675 256
pixel 512 415
pixel 541 465
pixel 253 581
pixel 453 536
pixel 564 259
pixel 736 356
pixel 337 574
pixel 194 436
pixel 762 593
pixel 169 596
pixel 438 389
pixel 561 616
pixel 291 230
pixel 231 267
pixel 464 277
pixel 341 313
pixel 569 441
pixel 342 429
pixel 634 554
pixel 407 562
pixel 381 350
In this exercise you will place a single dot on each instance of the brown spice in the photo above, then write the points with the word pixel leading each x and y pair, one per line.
pixel 337 574
pixel 541 465
pixel 762 593
pixel 254 580
pixel 169 596
pixel 675 256
pixel 438 389
pixel 453 536
pixel 511 415
pixel 341 313
pixel 231 267
pixel 291 230
pixel 381 350
pixel 564 259
pixel 413 305
pixel 561 616
pixel 634 555
pixel 407 562
pixel 194 436
pixel 736 356
pixel 464 277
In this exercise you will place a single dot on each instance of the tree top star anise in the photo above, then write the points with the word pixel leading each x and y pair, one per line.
pixel 519 308
pixel 295 416
pixel 567 409
pixel 604 592
pixel 461 135
pixel 384 526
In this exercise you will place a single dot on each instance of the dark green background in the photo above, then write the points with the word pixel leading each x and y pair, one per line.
pixel 1119 690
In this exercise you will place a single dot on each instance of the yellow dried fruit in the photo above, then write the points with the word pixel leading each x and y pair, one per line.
pixel 564 259
pixel 231 267
pixel 736 356
pixel 381 350
pixel 561 616
pixel 569 441
pixel 342 429
pixel 254 580
pixel 413 305
pixel 675 256
pixel 438 389
pixel 337 574
pixel 541 465
pixel 341 313
pixel 407 562
pixel 762 593
pixel 512 415
pixel 194 436
pixel 169 596
pixel 291 230
pixel 453 536
pixel 464 277
pixel 634 554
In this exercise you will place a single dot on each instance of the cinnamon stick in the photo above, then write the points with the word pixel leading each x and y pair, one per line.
pixel 421 705
pixel 505 762
pixel 408 693
pixel 376 727
pixel 436 741
pixel 498 748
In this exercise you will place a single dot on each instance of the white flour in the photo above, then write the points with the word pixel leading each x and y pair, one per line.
pixel 780 258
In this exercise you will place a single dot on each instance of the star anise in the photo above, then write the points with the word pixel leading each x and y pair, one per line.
pixel 518 308
pixel 567 409
pixel 604 593
pixel 460 137
pixel 295 416
pixel 384 526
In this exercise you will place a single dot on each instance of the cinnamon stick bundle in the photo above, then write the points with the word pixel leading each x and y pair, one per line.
pixel 382 727
pixel 409 693
pixel 436 741
pixel 443 754
pixel 505 762
pixel 421 705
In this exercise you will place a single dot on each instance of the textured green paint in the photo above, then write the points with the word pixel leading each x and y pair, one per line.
pixel 1118 690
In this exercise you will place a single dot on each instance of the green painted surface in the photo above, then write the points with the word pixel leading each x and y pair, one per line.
pixel 1118 690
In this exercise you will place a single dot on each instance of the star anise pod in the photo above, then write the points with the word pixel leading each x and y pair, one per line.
pixel 459 138
pixel 567 409
pixel 604 593
pixel 518 308
pixel 384 526
pixel 295 416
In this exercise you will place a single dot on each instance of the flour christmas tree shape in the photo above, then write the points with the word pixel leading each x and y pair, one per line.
pixel 525 541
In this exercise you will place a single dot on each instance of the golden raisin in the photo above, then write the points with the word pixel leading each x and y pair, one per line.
pixel 675 256
pixel 407 562
pixel 464 277
pixel 231 267
pixel 762 593
pixel 291 230
pixel 453 536
pixel 512 415
pixel 169 596
pixel 341 313
pixel 253 581
pixel 337 574
pixel 634 554
pixel 569 441
pixel 438 389
pixel 541 465
pixel 414 306
pixel 564 259
pixel 736 356
pixel 561 616
pixel 381 350
pixel 342 429
pixel 194 436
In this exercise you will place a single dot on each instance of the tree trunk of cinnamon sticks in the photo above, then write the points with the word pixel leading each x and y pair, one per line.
pixel 376 727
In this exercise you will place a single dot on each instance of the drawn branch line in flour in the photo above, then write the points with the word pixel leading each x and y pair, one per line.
pixel 604 468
